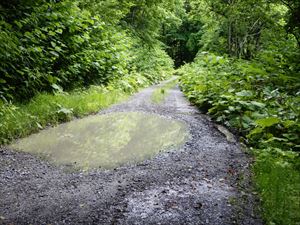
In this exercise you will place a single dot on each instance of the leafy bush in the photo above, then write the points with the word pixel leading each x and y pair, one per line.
pixel 59 45
pixel 264 107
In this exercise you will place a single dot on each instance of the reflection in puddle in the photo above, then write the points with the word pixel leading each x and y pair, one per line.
pixel 105 140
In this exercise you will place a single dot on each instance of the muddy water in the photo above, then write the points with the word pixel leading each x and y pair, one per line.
pixel 106 141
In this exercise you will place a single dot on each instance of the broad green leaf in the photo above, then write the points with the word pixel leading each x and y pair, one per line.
pixel 59 31
pixel 244 93
pixel 51 33
pixel 65 111
pixel 54 53
pixel 267 122
pixel 258 104
pixel 257 130
pixel 56 87
pixel 288 123
pixel 39 125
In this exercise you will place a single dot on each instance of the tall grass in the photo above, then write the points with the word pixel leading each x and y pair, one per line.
pixel 160 94
pixel 277 175
pixel 19 120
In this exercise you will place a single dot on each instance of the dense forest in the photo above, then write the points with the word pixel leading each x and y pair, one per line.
pixel 238 61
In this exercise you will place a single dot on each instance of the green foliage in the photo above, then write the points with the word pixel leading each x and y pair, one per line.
pixel 152 62
pixel 61 45
pixel 257 99
pixel 293 18
pixel 45 109
pixel 148 18
pixel 183 40
pixel 237 28
pixel 245 97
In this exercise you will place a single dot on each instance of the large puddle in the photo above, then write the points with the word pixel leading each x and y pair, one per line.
pixel 106 141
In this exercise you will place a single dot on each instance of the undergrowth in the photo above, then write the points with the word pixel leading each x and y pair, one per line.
pixel 259 100
pixel 278 178
pixel 50 45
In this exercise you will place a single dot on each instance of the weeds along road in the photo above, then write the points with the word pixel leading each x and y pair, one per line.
pixel 204 181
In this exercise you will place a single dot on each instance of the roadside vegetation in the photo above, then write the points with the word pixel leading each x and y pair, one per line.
pixel 264 113
pixel 65 59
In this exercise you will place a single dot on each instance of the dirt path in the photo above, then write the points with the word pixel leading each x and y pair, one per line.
pixel 200 183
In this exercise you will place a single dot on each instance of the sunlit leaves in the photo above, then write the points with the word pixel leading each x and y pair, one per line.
pixel 267 122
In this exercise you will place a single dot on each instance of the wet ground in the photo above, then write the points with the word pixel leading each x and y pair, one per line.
pixel 204 181
pixel 105 141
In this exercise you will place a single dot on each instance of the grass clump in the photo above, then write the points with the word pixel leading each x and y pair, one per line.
pixel 160 94
pixel 278 178
pixel 19 120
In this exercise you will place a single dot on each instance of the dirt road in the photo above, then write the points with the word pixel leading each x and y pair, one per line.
pixel 202 182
